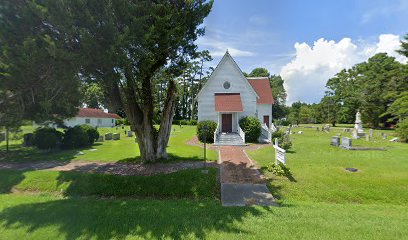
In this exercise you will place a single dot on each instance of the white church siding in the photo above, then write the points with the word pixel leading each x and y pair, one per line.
pixel 226 71
pixel 264 109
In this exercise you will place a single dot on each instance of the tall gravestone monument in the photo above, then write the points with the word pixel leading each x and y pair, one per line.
pixel 358 131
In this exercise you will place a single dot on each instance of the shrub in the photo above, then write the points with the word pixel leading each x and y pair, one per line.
pixel 193 122
pixel 282 122
pixel 46 138
pixel 184 122
pixel 279 170
pixel 92 132
pixel 285 142
pixel 28 139
pixel 252 128
pixel 211 129
pixel 402 130
pixel 75 137
pixel 176 122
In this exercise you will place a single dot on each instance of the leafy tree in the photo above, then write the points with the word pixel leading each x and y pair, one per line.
pixel 36 65
pixel 11 113
pixel 259 72
pixel 404 47
pixel 93 95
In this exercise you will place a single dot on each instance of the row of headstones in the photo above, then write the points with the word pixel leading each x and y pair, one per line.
pixel 113 136
pixel 325 128
pixel 370 133
pixel 345 142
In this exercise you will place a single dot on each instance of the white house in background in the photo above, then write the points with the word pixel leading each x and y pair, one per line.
pixel 94 117
pixel 229 96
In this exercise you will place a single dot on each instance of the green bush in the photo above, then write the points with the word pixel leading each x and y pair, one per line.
pixel 92 132
pixel 402 130
pixel 252 128
pixel 285 142
pixel 46 138
pixel 28 139
pixel 279 169
pixel 282 122
pixel 176 122
pixel 184 122
pixel 193 122
pixel 75 137
pixel 211 129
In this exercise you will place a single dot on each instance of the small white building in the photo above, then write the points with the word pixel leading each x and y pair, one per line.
pixel 229 96
pixel 94 117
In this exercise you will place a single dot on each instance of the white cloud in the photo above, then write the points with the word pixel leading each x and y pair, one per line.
pixel 306 75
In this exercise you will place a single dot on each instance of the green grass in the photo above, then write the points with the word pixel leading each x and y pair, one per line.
pixel 182 184
pixel 319 175
pixel 321 201
pixel 50 217
pixel 123 150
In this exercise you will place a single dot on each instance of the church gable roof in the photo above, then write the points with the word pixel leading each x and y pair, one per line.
pixel 227 58
pixel 263 89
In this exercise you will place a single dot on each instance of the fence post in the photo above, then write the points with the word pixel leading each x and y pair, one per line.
pixel 276 151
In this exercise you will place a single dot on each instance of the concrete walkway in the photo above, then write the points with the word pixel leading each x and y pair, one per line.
pixel 241 182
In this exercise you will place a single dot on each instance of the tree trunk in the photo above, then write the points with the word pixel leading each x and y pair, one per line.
pixel 166 120
pixel 7 139
pixel 152 145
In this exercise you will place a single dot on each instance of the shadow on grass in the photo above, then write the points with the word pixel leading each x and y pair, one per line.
pixel 9 179
pixel 19 154
pixel 172 158
pixel 107 219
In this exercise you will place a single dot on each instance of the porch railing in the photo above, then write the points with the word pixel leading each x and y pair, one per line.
pixel 241 133
pixel 266 132
pixel 216 133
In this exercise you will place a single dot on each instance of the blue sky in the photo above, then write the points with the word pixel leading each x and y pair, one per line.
pixel 307 42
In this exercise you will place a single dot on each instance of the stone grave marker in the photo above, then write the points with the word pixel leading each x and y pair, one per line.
pixel 394 139
pixel 116 136
pixel 367 138
pixel 100 139
pixel 130 134
pixel 346 142
pixel 384 136
pixel 108 136
pixel 335 141
pixel 371 132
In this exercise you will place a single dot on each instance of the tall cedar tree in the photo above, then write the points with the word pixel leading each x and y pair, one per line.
pixel 121 45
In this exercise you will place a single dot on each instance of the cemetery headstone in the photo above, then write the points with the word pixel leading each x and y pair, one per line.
pixel 300 132
pixel 358 127
pixel 394 139
pixel 384 136
pixel 100 139
pixel 346 142
pixel 367 138
pixel 108 136
pixel 116 136
pixel 335 141
pixel 371 132
pixel 130 134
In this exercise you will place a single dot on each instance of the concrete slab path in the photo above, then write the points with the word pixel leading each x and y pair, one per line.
pixel 241 182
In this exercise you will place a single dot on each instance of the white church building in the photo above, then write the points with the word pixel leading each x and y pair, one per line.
pixel 228 96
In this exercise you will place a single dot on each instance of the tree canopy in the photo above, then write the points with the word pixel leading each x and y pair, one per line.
pixel 118 44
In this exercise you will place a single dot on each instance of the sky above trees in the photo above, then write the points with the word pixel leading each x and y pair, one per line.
pixel 306 43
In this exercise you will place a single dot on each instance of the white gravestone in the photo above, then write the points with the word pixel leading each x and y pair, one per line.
pixel 358 127
pixel 346 142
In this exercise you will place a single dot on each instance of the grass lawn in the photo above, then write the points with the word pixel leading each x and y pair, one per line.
pixel 321 201
pixel 124 149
